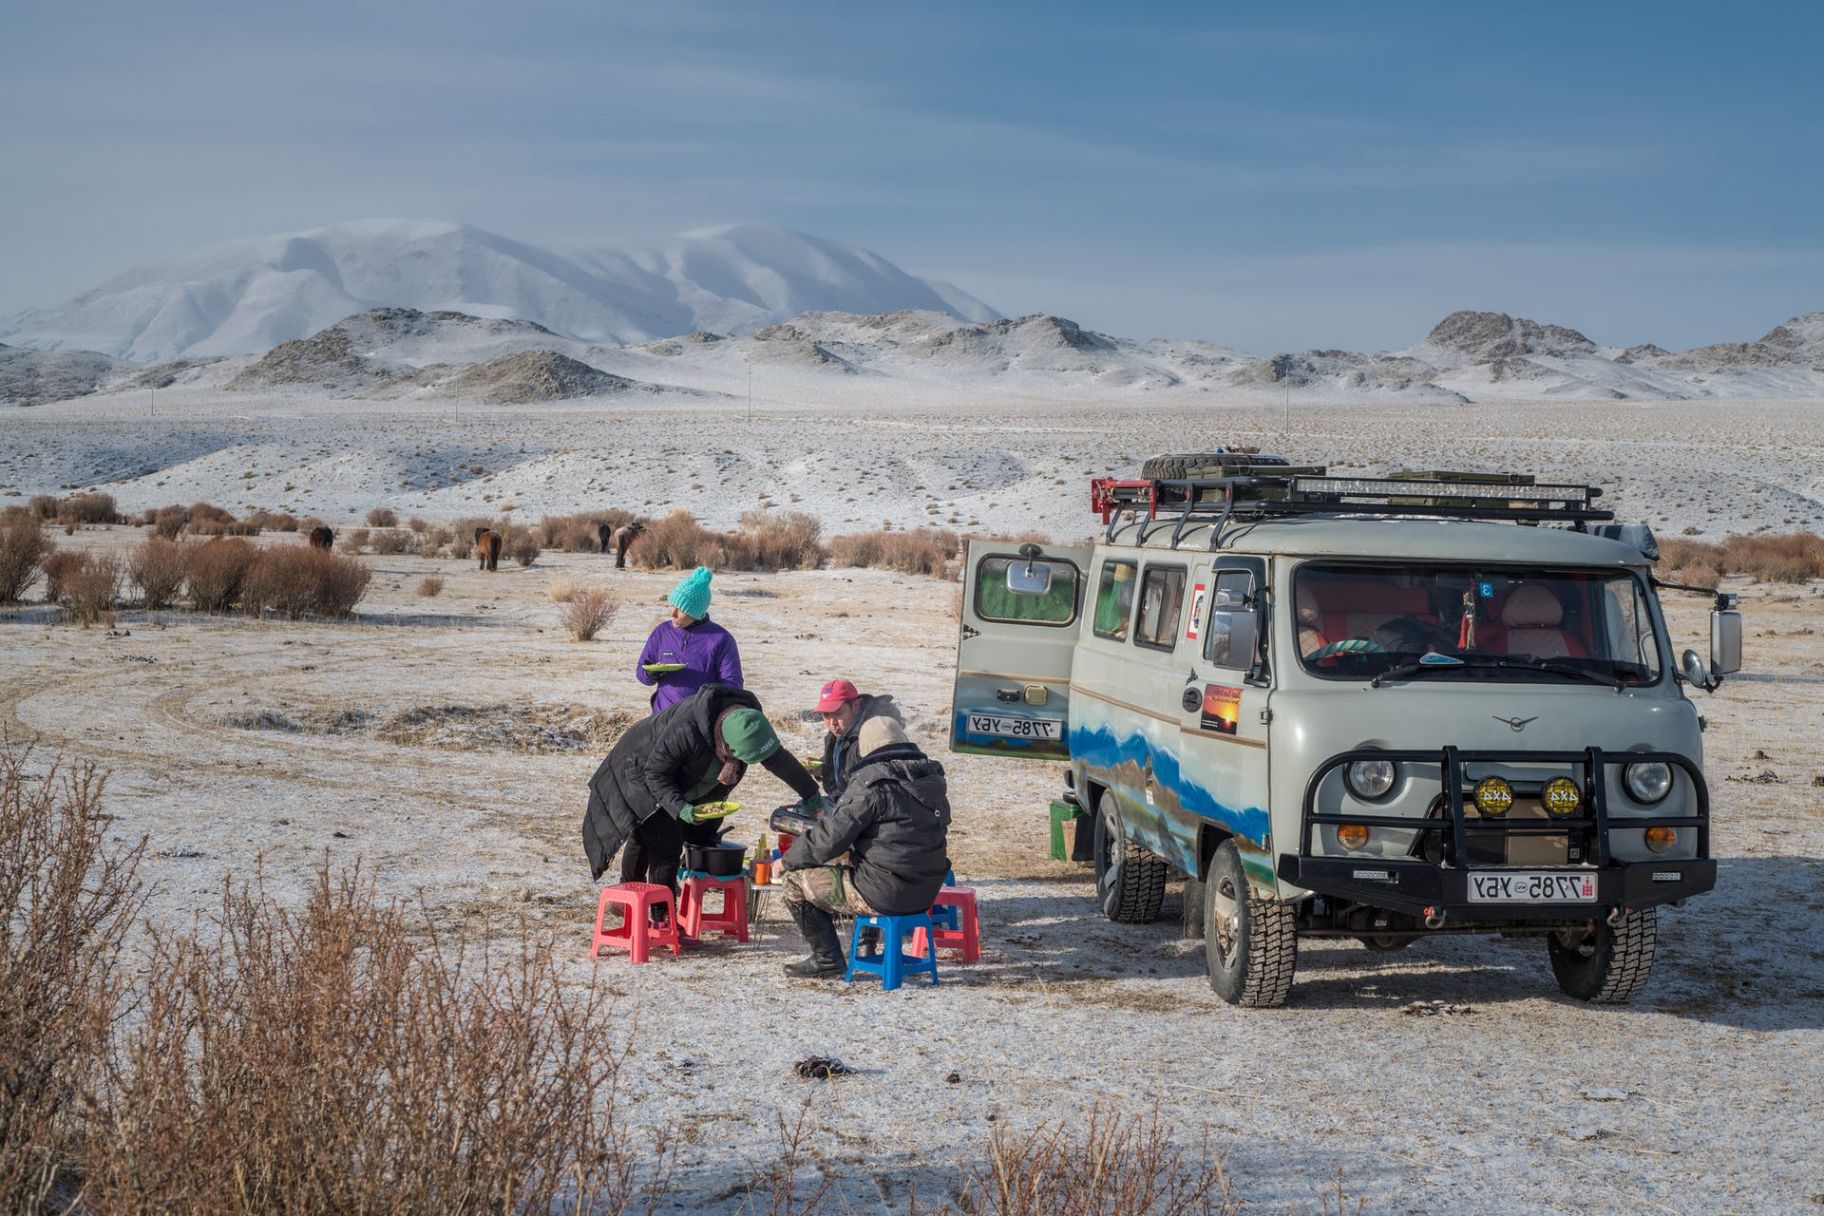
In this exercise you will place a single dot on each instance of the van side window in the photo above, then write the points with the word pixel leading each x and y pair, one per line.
pixel 1115 600
pixel 1232 620
pixel 1161 604
pixel 1040 591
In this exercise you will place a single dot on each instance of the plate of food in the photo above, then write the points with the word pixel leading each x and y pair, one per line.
pixel 716 810
pixel 659 669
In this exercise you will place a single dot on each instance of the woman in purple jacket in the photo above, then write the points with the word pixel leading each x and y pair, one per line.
pixel 689 650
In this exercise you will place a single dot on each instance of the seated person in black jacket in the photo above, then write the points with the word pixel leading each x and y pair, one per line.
pixel 645 794
pixel 893 820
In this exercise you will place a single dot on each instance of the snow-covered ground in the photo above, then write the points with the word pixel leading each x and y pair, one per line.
pixel 410 739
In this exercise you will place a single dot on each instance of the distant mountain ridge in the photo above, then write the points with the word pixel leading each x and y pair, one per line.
pixel 246 297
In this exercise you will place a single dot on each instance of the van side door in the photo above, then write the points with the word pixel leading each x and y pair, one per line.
pixel 1021 608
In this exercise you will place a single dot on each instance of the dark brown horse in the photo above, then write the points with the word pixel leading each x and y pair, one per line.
pixel 604 535
pixel 487 548
pixel 623 540
pixel 322 538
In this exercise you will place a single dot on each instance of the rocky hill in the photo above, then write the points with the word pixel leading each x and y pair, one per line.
pixel 28 377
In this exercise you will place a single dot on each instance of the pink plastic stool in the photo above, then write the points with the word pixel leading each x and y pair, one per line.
pixel 967 936
pixel 637 933
pixel 730 918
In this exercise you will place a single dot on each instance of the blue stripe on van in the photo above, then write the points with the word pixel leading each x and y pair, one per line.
pixel 1098 748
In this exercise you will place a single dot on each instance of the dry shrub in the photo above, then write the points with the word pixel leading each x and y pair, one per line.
pixel 677 542
pixel 431 586
pixel 157 569
pixel 1110 1164
pixel 562 589
pixel 207 519
pixel 23 550
pixel 215 571
pixel 168 521
pixel 336 1058
pixel 298 581
pixel 354 540
pixel 782 540
pixel 435 539
pixel 571 533
pixel 67 900
pixel 57 566
pixel 44 506
pixel 88 509
pixel 389 542
pixel 587 611
pixel 87 589
pixel 520 544
pixel 273 521
pixel 418 524
pixel 921 551
pixel 383 517
pixel 1792 557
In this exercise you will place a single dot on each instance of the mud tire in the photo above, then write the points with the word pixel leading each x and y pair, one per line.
pixel 1385 943
pixel 1130 881
pixel 1191 464
pixel 1610 965
pixel 1250 944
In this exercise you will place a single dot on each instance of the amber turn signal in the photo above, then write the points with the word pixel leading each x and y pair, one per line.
pixel 1352 835
pixel 1661 839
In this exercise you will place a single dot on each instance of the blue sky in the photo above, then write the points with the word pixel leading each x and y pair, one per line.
pixel 1270 177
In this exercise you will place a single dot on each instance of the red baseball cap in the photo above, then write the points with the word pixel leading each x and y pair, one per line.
pixel 834 695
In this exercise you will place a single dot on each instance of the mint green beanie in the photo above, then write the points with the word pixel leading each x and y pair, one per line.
pixel 691 596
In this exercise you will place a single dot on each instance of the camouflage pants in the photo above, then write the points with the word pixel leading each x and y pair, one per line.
pixel 831 888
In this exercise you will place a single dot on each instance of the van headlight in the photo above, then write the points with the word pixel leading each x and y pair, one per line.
pixel 1370 779
pixel 1649 782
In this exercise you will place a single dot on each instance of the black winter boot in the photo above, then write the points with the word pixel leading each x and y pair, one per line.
pixel 819 930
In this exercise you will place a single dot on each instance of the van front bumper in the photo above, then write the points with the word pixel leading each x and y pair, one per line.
pixel 1421 886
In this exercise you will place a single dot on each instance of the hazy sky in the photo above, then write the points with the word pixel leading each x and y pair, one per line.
pixel 1336 175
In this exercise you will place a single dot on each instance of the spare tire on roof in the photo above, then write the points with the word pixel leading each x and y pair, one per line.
pixel 1193 464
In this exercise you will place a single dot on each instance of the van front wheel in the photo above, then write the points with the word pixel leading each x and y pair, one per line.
pixel 1606 964
pixel 1130 882
pixel 1250 944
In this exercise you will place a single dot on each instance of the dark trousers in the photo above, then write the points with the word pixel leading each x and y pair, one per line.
pixel 656 847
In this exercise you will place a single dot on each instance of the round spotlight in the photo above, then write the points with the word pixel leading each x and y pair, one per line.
pixel 1561 797
pixel 1370 779
pixel 1648 783
pixel 1661 839
pixel 1494 797
pixel 1352 836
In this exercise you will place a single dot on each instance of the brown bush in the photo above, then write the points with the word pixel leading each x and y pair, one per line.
pixel 418 524
pixel 587 610
pixel 921 551
pixel 390 542
pixel 215 571
pixel 520 544
pixel 273 521
pixel 207 519
pixel 169 521
pixel 89 509
pixel 677 542
pixel 1791 557
pixel 23 550
pixel 297 581
pixel 67 901
pixel 335 1058
pixel 44 506
pixel 435 540
pixel 57 566
pixel 783 540
pixel 157 569
pixel 431 586
pixel 88 588
pixel 354 540
pixel 383 517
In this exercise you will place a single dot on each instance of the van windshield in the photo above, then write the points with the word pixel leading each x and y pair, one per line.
pixel 1459 622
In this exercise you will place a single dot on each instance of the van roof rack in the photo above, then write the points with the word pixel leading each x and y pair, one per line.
pixel 1311 490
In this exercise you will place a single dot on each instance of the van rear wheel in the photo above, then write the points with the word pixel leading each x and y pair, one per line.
pixel 1608 964
pixel 1250 944
pixel 1130 881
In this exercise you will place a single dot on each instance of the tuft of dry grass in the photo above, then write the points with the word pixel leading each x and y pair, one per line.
pixel 23 550
pixel 156 567
pixel 215 571
pixel 431 586
pixel 587 610
pixel 298 581
pixel 1791 557
pixel 925 551
pixel 67 899
pixel 561 589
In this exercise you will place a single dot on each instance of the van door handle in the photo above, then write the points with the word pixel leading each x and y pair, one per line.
pixel 1191 699
pixel 1009 695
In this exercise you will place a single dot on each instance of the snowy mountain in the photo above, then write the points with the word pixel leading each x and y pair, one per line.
pixel 249 296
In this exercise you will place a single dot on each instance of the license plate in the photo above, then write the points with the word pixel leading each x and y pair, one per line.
pixel 1013 728
pixel 1532 887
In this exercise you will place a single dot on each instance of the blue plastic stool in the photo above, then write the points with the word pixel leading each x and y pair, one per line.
pixel 888 962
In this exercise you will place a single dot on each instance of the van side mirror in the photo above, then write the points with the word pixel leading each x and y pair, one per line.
pixel 1696 674
pixel 1725 642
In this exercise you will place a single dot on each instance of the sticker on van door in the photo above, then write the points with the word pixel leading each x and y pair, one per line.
pixel 1197 597
pixel 1221 708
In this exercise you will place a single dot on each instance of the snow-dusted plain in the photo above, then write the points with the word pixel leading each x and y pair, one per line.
pixel 392 740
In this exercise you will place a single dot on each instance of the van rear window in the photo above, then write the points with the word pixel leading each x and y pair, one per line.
pixel 1039 591
pixel 1161 604
pixel 1115 599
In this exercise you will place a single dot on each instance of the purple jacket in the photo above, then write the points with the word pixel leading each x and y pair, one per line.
pixel 707 651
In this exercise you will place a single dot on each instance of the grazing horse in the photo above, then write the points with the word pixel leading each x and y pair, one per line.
pixel 604 535
pixel 623 539
pixel 487 548
pixel 322 538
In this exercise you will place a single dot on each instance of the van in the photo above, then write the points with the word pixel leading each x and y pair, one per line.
pixel 1370 708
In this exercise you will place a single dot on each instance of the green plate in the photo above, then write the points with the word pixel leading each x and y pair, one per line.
pixel 717 810
pixel 659 669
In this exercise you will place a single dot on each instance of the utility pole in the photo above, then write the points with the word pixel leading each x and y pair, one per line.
pixel 1286 424
pixel 750 394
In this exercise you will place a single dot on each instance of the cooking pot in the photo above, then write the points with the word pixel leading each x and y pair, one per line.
pixel 717 860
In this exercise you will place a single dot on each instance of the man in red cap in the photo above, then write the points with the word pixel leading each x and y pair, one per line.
pixel 843 710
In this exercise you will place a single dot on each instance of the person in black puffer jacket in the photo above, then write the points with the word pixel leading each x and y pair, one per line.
pixel 893 820
pixel 646 792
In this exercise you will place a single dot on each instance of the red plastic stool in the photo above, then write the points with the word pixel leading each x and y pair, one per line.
pixel 730 918
pixel 637 933
pixel 966 936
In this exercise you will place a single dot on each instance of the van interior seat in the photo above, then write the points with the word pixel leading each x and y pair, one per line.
pixel 1351 609
pixel 1532 616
